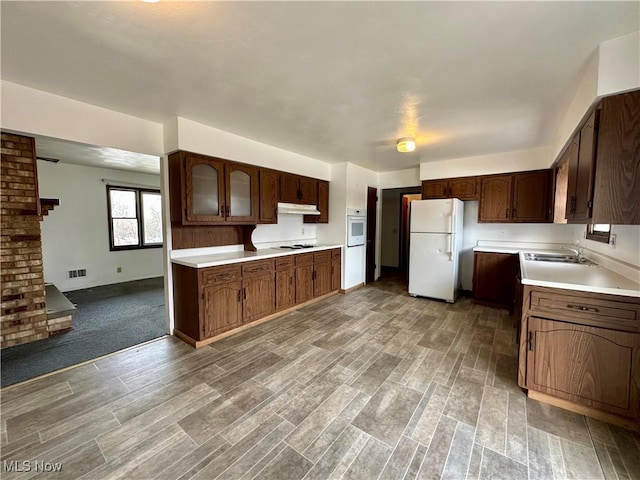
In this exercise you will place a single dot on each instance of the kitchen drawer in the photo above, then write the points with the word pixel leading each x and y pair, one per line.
pixel 258 267
pixel 284 263
pixel 322 257
pixel 597 312
pixel 216 275
pixel 336 252
pixel 304 259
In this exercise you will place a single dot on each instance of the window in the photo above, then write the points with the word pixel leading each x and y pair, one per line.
pixel 135 218
pixel 599 232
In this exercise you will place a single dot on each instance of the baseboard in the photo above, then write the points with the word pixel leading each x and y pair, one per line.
pixel 624 422
pixel 351 289
pixel 201 343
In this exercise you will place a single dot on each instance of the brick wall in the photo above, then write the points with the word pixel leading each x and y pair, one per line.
pixel 23 315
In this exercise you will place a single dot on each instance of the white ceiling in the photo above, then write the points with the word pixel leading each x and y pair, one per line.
pixel 89 155
pixel 337 81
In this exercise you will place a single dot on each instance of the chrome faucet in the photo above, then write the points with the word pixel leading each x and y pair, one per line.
pixel 577 252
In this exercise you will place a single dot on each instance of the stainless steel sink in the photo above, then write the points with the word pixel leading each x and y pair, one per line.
pixel 557 258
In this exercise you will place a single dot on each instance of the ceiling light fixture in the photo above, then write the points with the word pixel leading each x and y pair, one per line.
pixel 150 1
pixel 406 145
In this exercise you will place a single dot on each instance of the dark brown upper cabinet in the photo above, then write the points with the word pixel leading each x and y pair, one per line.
pixel 598 173
pixel 522 197
pixel 298 189
pixel 206 190
pixel 531 197
pixel 323 204
pixel 464 188
pixel 617 174
pixel 581 171
pixel 269 190
pixel 495 198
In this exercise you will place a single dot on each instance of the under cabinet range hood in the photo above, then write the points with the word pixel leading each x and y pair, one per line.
pixel 295 209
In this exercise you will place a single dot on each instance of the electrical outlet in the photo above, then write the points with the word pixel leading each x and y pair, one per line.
pixel 73 273
pixel 612 240
pixel 82 272
pixel 118 269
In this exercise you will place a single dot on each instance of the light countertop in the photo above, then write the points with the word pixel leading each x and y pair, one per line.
pixel 213 260
pixel 596 278
pixel 582 277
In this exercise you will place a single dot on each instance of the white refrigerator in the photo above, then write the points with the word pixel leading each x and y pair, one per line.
pixel 435 242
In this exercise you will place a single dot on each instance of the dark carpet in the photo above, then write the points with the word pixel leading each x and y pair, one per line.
pixel 107 319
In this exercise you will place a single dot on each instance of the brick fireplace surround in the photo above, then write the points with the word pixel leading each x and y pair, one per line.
pixel 23 316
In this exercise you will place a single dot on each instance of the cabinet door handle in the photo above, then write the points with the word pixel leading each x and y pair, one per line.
pixel 238 295
pixel 228 210
pixel 507 212
pixel 244 293
pixel 582 308
pixel 222 211
pixel 531 341
pixel 291 280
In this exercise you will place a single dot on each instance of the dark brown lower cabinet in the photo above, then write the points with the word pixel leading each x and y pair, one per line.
pixel 321 273
pixel 258 297
pixel 304 277
pixel 588 365
pixel 285 288
pixel 581 351
pixel 494 278
pixel 336 269
pixel 221 308
pixel 211 301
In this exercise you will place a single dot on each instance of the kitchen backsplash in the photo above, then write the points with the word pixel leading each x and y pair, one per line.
pixel 287 231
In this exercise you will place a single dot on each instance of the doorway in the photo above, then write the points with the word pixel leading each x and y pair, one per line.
pixel 372 208
pixel 394 228
pixel 102 258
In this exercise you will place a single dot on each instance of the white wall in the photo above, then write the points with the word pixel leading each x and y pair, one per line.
pixel 33 111
pixel 199 138
pixel 290 229
pixel 517 161
pixel 619 64
pixel 612 68
pixel 400 178
pixel 358 179
pixel 626 247
pixel 75 234
pixel 528 232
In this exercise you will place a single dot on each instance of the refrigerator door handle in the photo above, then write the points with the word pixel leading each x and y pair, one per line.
pixel 451 248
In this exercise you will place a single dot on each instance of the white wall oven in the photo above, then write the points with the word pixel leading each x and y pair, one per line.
pixel 356 227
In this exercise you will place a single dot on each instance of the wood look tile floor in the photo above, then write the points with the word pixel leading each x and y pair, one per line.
pixel 372 384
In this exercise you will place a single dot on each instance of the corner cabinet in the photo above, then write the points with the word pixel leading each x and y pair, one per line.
pixel 495 278
pixel 212 191
pixel 583 349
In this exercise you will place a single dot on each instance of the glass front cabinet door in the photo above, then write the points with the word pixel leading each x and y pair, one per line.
pixel 204 190
pixel 242 193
